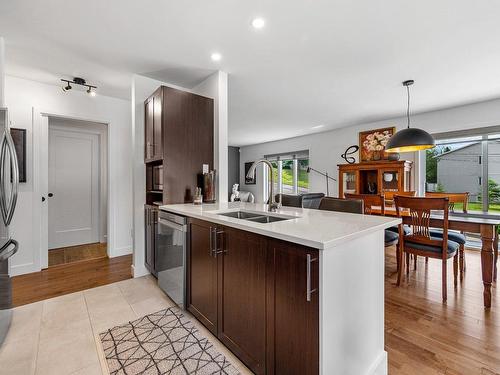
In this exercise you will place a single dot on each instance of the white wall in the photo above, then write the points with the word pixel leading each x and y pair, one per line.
pixel 325 148
pixel 215 87
pixel 26 100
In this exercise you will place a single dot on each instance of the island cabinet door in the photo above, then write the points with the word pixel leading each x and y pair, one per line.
pixel 202 274
pixel 293 310
pixel 242 296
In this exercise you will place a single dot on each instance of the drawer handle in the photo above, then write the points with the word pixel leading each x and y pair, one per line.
pixel 309 260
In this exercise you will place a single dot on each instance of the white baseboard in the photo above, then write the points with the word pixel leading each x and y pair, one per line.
pixel 138 271
pixel 21 269
pixel 120 251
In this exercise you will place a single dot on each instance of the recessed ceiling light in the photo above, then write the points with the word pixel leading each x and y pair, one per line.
pixel 216 56
pixel 258 23
pixel 318 127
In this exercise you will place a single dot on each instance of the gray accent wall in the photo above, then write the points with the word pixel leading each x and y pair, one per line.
pixel 233 159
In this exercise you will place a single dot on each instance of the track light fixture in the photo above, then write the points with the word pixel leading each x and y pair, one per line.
pixel 91 90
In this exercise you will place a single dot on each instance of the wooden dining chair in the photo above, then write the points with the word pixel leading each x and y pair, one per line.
pixel 353 206
pixel 420 241
pixel 454 199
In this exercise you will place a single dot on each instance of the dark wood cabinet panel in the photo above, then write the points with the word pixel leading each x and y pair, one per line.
pixel 242 297
pixel 293 321
pixel 252 292
pixel 148 129
pixel 202 275
pixel 188 142
pixel 150 218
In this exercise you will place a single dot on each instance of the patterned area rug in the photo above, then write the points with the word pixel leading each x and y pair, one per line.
pixel 165 342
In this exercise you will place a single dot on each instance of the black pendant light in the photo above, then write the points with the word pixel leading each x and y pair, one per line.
pixel 410 139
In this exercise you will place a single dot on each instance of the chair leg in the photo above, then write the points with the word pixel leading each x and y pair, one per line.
pixel 445 290
pixel 407 263
pixel 415 262
pixel 455 269
pixel 462 261
pixel 426 260
pixel 397 257
pixel 400 261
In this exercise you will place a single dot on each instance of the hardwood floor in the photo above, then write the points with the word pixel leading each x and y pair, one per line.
pixel 68 278
pixel 425 336
pixel 71 254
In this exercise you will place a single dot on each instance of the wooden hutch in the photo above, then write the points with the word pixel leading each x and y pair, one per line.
pixel 375 177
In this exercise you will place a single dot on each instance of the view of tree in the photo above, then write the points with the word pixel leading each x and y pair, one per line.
pixel 493 192
pixel 431 162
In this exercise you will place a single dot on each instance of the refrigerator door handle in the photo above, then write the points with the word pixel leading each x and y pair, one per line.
pixel 5 253
pixel 9 207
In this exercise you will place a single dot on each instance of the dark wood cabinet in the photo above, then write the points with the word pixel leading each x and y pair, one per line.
pixel 293 314
pixel 242 297
pixel 202 274
pixel 151 220
pixel 153 140
pixel 258 295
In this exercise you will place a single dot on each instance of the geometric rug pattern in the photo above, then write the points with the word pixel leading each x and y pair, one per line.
pixel 165 342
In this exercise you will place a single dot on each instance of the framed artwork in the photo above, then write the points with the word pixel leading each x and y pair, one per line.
pixel 19 138
pixel 372 144
pixel 249 181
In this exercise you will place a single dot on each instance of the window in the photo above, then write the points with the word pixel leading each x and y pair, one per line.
pixel 467 164
pixel 290 172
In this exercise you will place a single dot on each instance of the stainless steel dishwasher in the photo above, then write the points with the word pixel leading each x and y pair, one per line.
pixel 170 255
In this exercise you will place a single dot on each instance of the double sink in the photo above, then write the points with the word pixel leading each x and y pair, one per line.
pixel 255 217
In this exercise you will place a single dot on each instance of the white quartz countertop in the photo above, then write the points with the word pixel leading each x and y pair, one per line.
pixel 308 227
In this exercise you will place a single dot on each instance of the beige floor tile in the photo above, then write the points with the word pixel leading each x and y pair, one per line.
pixel 65 355
pixel 151 305
pixel 102 294
pixel 140 289
pixel 94 369
pixel 19 356
pixel 62 310
pixel 25 322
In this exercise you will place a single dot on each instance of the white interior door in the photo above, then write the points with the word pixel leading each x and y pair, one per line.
pixel 73 208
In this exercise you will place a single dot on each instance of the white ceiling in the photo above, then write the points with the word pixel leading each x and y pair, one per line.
pixel 317 62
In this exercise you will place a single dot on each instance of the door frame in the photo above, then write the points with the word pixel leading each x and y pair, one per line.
pixel 40 184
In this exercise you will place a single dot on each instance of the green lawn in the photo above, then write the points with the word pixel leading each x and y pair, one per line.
pixel 288 177
pixel 477 206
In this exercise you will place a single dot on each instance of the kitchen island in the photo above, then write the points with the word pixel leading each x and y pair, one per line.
pixel 297 291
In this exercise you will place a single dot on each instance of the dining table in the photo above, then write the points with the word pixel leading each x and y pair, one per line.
pixel 484 225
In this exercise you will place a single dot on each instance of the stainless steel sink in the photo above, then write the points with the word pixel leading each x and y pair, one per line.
pixel 255 217
pixel 240 214
pixel 267 219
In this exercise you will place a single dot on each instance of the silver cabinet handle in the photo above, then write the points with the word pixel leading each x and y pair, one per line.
pixel 216 250
pixel 4 254
pixel 309 260
pixel 211 249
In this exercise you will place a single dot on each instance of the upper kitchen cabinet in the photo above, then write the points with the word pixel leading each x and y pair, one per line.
pixel 179 136
pixel 153 127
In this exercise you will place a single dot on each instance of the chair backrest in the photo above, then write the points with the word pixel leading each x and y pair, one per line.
pixel 354 206
pixel 420 214
pixel 453 198
pixel 290 200
pixel 389 195
pixel 311 200
pixel 369 201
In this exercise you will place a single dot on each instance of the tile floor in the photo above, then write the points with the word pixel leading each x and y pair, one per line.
pixel 59 336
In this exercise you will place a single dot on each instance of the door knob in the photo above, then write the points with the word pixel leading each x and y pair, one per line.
pixel 43 199
pixel 51 195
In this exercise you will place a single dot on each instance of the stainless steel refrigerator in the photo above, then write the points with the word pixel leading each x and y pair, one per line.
pixel 9 181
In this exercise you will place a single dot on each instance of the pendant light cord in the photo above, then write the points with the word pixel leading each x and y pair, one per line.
pixel 408 107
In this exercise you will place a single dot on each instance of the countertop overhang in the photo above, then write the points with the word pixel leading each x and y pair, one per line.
pixel 309 227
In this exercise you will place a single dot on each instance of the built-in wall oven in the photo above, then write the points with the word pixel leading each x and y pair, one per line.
pixel 170 255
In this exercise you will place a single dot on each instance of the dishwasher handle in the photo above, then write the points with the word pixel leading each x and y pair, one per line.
pixel 171 224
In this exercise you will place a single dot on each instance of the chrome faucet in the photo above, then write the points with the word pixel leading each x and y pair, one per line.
pixel 273 205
